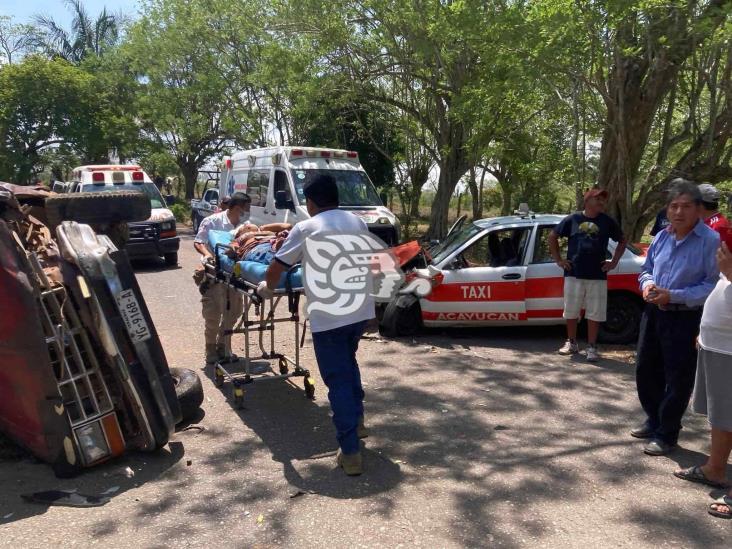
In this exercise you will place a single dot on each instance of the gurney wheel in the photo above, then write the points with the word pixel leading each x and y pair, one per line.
pixel 309 387
pixel 218 377
pixel 283 366
pixel 238 396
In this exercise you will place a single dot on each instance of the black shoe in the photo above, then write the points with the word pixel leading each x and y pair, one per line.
pixel 642 431
pixel 658 447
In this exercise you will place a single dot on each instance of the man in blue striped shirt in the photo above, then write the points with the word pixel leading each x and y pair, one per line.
pixel 679 274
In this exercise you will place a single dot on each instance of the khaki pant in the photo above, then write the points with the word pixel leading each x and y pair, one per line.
pixel 221 307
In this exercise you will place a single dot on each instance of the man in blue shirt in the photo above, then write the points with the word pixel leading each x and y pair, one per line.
pixel 679 273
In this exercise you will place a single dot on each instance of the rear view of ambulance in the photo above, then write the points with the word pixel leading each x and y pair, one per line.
pixel 274 178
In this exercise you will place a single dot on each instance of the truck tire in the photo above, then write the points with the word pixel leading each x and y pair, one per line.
pixel 171 259
pixel 189 391
pixel 623 319
pixel 98 208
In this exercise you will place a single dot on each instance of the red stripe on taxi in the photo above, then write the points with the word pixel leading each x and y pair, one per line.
pixel 478 291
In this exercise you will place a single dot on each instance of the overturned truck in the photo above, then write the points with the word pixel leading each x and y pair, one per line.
pixel 83 376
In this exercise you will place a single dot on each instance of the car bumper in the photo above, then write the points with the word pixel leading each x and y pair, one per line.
pixel 138 248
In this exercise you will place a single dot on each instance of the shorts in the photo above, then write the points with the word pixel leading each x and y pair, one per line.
pixel 712 395
pixel 590 295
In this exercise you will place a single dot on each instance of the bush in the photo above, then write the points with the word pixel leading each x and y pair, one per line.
pixel 182 212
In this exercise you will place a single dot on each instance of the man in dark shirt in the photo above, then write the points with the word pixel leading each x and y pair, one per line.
pixel 586 267
pixel 661 222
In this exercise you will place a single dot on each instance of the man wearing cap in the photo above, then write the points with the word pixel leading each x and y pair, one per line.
pixel 335 337
pixel 586 267
pixel 678 275
pixel 710 207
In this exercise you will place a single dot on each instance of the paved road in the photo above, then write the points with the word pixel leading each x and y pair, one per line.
pixel 479 439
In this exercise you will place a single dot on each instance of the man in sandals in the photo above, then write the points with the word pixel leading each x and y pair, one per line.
pixel 713 388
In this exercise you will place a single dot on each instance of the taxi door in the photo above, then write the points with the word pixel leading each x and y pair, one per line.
pixel 484 281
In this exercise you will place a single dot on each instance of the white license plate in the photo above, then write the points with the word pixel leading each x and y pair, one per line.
pixel 132 315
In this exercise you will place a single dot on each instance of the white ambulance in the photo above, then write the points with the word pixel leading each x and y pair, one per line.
pixel 154 237
pixel 274 178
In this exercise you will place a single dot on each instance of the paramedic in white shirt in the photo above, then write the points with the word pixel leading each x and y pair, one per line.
pixel 335 337
pixel 221 306
pixel 713 388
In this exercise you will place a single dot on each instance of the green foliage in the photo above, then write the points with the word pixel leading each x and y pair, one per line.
pixel 44 103
pixel 88 36
pixel 181 211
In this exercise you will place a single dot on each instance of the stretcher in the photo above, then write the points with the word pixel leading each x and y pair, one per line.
pixel 258 317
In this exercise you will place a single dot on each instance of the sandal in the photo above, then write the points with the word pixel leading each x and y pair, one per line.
pixel 724 500
pixel 696 474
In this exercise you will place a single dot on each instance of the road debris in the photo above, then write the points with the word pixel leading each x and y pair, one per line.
pixel 65 498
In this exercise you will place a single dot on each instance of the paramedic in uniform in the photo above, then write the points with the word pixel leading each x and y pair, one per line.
pixel 335 337
pixel 221 306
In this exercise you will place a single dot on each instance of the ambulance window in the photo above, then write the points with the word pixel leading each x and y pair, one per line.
pixel 257 185
pixel 281 184
pixel 541 248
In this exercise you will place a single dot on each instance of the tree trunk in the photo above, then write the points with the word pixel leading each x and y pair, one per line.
pixel 189 169
pixel 474 193
pixel 452 164
pixel 506 197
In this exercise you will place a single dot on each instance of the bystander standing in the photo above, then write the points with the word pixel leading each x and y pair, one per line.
pixel 713 387
pixel 710 207
pixel 586 267
pixel 679 273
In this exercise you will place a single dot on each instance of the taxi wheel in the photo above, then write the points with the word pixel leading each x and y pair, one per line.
pixel 623 319
pixel 399 321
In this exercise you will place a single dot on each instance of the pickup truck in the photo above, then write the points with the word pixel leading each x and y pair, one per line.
pixel 202 207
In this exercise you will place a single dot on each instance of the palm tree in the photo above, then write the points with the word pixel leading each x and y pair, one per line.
pixel 87 36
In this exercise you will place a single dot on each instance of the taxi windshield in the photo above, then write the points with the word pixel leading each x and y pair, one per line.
pixel 152 192
pixel 453 242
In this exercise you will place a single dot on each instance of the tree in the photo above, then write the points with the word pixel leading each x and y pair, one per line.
pixel 183 104
pixel 15 40
pixel 429 60
pixel 658 71
pixel 43 104
pixel 88 36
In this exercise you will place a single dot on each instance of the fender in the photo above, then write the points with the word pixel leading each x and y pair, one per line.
pixel 405 301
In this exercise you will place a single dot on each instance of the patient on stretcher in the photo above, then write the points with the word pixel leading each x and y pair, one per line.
pixel 258 244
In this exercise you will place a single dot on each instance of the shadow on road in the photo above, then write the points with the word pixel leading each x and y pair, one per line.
pixel 299 433
pixel 111 479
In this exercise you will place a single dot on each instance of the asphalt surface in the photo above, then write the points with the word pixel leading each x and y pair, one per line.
pixel 478 439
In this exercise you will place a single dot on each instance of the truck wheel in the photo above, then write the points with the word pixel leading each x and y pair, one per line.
pixel 100 207
pixel 171 259
pixel 189 391
pixel 623 319
pixel 398 321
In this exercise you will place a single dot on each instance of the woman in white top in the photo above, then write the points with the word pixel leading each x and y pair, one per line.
pixel 713 388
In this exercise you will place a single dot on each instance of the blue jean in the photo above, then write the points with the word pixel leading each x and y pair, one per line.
pixel 335 351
